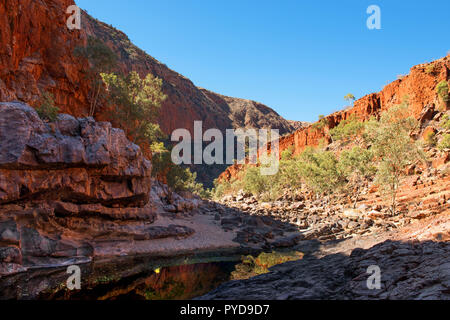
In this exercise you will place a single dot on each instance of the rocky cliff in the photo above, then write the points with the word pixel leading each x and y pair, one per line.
pixel 64 186
pixel 37 54
pixel 419 87
pixel 78 192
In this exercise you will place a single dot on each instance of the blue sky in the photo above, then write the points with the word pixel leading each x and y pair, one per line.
pixel 298 57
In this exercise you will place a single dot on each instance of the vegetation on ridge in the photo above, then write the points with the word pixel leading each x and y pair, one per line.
pixel 47 110
pixel 381 151
pixel 253 266
pixel 134 106
pixel 101 59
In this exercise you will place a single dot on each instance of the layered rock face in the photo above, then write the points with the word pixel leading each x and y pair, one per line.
pixel 408 271
pixel 80 160
pixel 37 54
pixel 77 191
pixel 67 185
pixel 419 87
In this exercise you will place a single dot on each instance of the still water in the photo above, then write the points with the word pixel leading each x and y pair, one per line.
pixel 169 283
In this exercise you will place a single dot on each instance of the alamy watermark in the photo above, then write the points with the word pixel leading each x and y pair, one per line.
pixel 374 20
pixel 252 146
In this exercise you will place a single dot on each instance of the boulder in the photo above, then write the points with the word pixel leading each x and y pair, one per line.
pixel 79 160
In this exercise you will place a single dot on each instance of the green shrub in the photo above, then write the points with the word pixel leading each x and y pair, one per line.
pixel 445 142
pixel 220 188
pixel 357 166
pixel 252 266
pixel 445 122
pixel 265 187
pixel 47 110
pixel 347 129
pixel 135 104
pixel 178 178
pixel 321 124
pixel 288 172
pixel 392 145
pixel 254 182
pixel 183 179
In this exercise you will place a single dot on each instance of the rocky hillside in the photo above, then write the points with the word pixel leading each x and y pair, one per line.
pixel 410 271
pixel 77 191
pixel 344 234
pixel 419 86
pixel 37 54
pixel 186 102
pixel 45 61
pixel 251 114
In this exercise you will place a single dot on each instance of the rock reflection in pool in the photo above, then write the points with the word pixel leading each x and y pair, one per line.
pixel 170 283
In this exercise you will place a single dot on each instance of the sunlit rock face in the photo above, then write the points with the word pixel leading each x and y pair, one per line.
pixel 37 54
pixel 419 88
pixel 67 187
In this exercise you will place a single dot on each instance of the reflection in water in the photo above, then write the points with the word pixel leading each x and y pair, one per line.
pixel 170 283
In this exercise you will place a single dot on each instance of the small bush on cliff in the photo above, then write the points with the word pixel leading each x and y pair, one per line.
pixel 430 139
pixel 430 69
pixel 350 98
pixel 177 177
pixel 393 147
pixel 445 142
pixel 101 60
pixel 321 124
pixel 47 110
pixel 357 166
pixel 135 104
pixel 320 170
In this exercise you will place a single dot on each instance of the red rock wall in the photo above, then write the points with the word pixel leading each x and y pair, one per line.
pixel 419 86
pixel 36 54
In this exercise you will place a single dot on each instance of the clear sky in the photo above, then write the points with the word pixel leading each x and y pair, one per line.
pixel 298 57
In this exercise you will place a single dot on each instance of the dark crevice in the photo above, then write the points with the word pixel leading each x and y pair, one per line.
pixel 67 195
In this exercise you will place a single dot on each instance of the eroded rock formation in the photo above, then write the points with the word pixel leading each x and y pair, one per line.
pixel 37 54
pixel 419 88
pixel 66 186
